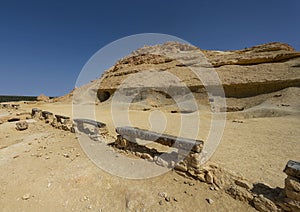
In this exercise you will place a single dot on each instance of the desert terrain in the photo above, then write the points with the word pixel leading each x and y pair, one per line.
pixel 45 168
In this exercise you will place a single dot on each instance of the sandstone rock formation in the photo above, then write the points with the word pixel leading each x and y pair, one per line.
pixel 43 98
pixel 243 73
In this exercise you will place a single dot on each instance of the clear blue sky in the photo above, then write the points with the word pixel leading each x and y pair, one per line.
pixel 45 44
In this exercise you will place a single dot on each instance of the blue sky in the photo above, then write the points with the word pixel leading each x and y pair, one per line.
pixel 45 44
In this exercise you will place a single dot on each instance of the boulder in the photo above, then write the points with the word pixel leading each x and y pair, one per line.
pixel 292 168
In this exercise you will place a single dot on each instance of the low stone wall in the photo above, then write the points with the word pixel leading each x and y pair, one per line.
pixel 291 200
pixel 93 129
pixel 259 195
pixel 9 106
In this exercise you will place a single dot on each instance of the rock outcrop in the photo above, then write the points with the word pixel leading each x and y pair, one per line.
pixel 43 98
pixel 243 73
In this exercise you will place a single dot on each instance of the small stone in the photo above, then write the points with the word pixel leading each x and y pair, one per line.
pixel 162 162
pixel 238 121
pixel 138 154
pixel 175 179
pixel 175 199
pixel 66 155
pixel 191 184
pixel 201 177
pixel 146 156
pixel 26 196
pixel 209 178
pixel 167 199
pixel 210 201
pixel 181 166
pixel 163 194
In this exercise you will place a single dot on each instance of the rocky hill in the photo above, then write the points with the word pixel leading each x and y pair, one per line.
pixel 248 72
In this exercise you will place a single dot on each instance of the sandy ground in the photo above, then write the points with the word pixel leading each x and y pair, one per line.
pixel 49 166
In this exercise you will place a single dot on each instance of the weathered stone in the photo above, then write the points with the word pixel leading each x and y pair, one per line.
pixel 239 193
pixel 210 201
pixel 201 177
pixel 47 115
pixel 61 118
pixel 36 113
pixel 122 143
pixel 290 205
pixel 138 154
pixel 146 156
pixel 209 178
pixel 292 168
pixel 167 140
pixel 15 106
pixel 181 166
pixel 263 204
pixel 163 194
pixel 292 183
pixel 90 122
pixel 67 125
pixel 22 125
pixel 161 162
pixel 26 196
pixel 243 183
pixel 293 195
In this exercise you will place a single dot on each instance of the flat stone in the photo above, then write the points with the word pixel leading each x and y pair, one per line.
pixel 164 139
pixel 90 122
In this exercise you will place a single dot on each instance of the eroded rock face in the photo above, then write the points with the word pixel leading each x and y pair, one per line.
pixel 243 73
pixel 43 98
